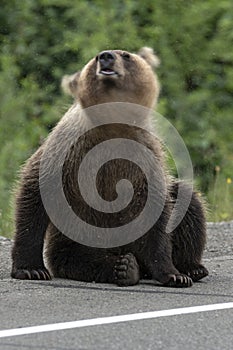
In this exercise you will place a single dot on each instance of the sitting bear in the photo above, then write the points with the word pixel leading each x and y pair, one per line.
pixel 171 258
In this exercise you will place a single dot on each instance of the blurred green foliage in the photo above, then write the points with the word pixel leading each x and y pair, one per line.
pixel 41 40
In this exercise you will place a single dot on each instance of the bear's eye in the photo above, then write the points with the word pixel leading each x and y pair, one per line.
pixel 126 56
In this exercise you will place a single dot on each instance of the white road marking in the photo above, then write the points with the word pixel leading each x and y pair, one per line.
pixel 113 319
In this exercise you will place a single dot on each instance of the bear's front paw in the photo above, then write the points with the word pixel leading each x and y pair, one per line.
pixel 31 274
pixel 126 270
pixel 179 281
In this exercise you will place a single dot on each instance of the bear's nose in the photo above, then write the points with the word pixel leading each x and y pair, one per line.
pixel 106 57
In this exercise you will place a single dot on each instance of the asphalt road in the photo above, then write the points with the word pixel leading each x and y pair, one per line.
pixel 32 303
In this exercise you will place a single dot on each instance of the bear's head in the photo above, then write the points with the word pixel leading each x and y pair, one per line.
pixel 116 76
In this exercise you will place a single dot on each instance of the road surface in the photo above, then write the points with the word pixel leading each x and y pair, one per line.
pixel 153 317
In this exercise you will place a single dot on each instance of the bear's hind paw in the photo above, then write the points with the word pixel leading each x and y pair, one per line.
pixel 126 270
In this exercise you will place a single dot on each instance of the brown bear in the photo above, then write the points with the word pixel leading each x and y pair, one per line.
pixel 171 258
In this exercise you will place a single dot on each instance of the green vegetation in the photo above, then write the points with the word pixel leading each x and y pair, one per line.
pixel 41 40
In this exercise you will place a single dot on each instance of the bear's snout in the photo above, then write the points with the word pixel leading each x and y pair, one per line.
pixel 106 61
pixel 106 58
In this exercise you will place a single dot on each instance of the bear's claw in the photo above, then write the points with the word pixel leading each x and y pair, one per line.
pixel 31 274
pixel 179 281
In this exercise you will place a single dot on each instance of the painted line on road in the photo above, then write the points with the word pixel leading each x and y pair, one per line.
pixel 113 319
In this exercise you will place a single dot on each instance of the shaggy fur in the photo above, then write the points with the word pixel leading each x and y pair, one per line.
pixel 173 259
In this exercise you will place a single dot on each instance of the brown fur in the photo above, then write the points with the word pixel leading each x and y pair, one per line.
pixel 172 259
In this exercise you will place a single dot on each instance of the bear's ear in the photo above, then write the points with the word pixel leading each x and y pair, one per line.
pixel 149 56
pixel 69 84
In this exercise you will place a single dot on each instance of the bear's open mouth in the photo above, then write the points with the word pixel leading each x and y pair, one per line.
pixel 108 71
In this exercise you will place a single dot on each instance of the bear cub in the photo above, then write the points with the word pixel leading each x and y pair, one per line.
pixel 171 258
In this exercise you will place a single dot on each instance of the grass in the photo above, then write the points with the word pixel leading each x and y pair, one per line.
pixel 220 197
